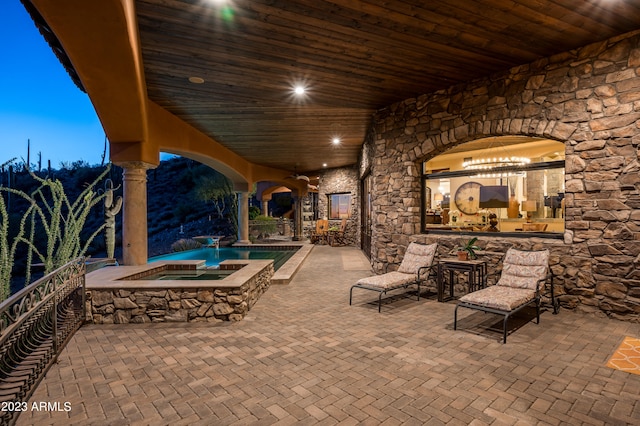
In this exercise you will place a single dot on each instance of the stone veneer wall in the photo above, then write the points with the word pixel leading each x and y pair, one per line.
pixel 206 304
pixel 341 180
pixel 589 99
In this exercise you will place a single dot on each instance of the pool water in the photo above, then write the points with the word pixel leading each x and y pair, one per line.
pixel 213 256
pixel 214 274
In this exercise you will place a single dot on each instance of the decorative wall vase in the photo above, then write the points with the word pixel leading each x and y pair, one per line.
pixel 513 211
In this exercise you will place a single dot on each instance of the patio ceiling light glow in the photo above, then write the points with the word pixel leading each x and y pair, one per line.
pixel 299 90
pixel 336 141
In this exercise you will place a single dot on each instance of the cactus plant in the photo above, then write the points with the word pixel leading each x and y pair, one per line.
pixel 111 209
pixel 50 212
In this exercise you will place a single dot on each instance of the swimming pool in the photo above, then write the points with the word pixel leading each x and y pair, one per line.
pixel 196 275
pixel 213 256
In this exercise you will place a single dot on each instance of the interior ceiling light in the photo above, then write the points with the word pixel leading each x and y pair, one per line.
pixel 196 80
pixel 495 163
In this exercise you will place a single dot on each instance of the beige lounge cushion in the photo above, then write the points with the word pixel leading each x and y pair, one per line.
pixel 500 297
pixel 417 256
pixel 387 281
pixel 523 269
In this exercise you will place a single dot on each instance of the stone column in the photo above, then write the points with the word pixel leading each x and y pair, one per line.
pixel 243 217
pixel 265 207
pixel 134 213
pixel 297 216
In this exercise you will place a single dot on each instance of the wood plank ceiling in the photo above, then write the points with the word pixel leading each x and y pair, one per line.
pixel 354 57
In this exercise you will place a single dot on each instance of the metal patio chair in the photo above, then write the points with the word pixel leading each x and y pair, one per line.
pixel 416 266
pixel 523 278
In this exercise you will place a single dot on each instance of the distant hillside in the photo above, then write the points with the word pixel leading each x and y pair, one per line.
pixel 171 198
pixel 173 206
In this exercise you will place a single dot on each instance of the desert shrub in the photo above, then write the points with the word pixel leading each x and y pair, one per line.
pixel 185 244
pixel 253 212
pixel 263 225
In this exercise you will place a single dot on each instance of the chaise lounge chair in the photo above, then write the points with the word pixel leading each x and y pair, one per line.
pixel 416 266
pixel 523 277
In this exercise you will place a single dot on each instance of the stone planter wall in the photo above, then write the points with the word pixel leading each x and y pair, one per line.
pixel 590 100
pixel 211 303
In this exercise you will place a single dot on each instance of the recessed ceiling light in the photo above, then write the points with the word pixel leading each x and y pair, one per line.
pixel 336 141
pixel 196 80
pixel 299 90
pixel 324 164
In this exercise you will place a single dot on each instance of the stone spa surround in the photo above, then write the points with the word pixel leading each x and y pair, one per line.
pixel 117 295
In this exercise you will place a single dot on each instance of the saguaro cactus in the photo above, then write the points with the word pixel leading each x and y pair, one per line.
pixel 111 209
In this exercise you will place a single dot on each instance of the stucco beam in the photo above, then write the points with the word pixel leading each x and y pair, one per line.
pixel 101 40
pixel 171 134
pixel 123 152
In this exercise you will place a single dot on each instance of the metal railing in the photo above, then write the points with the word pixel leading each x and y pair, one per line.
pixel 35 325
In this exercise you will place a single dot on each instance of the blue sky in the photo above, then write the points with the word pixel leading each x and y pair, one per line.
pixel 38 100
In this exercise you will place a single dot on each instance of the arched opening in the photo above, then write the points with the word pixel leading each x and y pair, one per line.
pixel 509 184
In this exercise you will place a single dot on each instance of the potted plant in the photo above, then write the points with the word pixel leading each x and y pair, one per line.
pixel 468 249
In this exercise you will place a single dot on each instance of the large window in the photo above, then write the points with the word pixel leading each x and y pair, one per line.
pixel 508 185
pixel 339 206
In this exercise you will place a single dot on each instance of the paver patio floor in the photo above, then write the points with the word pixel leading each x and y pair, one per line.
pixel 304 356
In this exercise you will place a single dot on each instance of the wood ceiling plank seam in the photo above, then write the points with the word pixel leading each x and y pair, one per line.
pixel 329 66
pixel 345 101
pixel 444 29
pixel 621 10
pixel 348 69
pixel 338 45
pixel 241 71
pixel 373 78
pixel 531 16
pixel 408 51
pixel 304 114
pixel 271 123
pixel 344 77
pixel 374 32
pixel 557 29
pixel 279 94
pixel 597 13
pixel 162 40
pixel 178 104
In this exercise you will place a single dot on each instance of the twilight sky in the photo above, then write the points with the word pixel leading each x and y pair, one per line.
pixel 38 100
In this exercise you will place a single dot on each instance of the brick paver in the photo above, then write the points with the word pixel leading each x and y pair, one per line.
pixel 304 356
